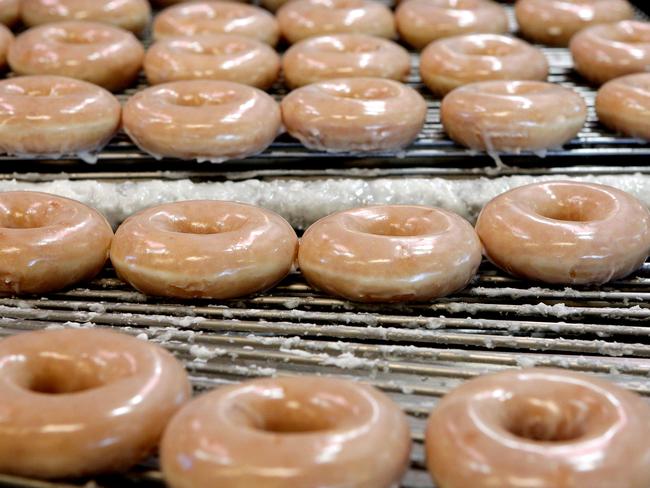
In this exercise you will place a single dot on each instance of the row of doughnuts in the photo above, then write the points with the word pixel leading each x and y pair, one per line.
pixel 555 232
pixel 62 389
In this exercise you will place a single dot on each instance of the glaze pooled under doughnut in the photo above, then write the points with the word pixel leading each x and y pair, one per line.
pixel 420 22
pixel 98 53
pixel 554 22
pixel 216 17
pixel 565 232
pixel 546 428
pixel 206 120
pixel 512 115
pixel 54 116
pixel 344 55
pixel 132 15
pixel 6 38
pixel 228 57
pixel 390 253
pixel 354 114
pixel 298 432
pixel 80 402
pixel 208 249
pixel 49 242
pixel 604 52
pixel 9 11
pixel 623 105
pixel 300 19
pixel 449 63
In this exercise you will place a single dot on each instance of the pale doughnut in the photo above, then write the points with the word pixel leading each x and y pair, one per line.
pixel 79 402
pixel 390 253
pixel 298 432
pixel 98 53
pixel 604 52
pixel 300 19
pixel 215 17
pixel 344 55
pixel 54 116
pixel 6 38
pixel 49 242
pixel 207 249
pixel 205 120
pixel 354 114
pixel 539 427
pixel 228 57
pixel 554 22
pixel 623 105
pixel 420 22
pixel 513 115
pixel 132 15
pixel 9 11
pixel 455 61
pixel 563 232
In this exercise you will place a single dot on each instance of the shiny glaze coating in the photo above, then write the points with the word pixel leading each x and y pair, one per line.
pixel 604 52
pixel 206 249
pixel 6 38
pixel 420 22
pixel 214 17
pixel 49 242
pixel 98 53
pixel 206 120
pixel 354 114
pixel 623 105
pixel 554 22
pixel 79 402
pixel 513 115
pixel 298 432
pixel 227 57
pixel 9 11
pixel 344 55
pixel 390 253
pixel 54 116
pixel 300 19
pixel 455 61
pixel 565 232
pixel 546 428
pixel 132 15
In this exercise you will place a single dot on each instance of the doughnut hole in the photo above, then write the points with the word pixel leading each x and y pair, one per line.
pixel 189 224
pixel 31 215
pixel 82 36
pixel 357 46
pixel 397 224
pixel 488 47
pixel 517 88
pixel 585 205
pixel 197 47
pixel 361 90
pixel 199 99
pixel 457 4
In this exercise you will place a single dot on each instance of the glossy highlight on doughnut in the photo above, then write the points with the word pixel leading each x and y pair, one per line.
pixel 623 105
pixel 566 232
pixel 539 427
pixel 300 432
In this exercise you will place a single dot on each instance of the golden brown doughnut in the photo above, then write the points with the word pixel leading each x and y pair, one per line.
pixel 79 402
pixel 565 232
pixel 539 427
pixel 623 105
pixel 298 432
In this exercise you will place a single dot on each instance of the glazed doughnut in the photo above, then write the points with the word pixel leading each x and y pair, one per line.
pixel 207 249
pixel 132 15
pixel 512 116
pixel 300 19
pixel 623 105
pixel 49 242
pixel 344 55
pixel 98 53
pixel 215 17
pixel 354 114
pixel 306 432
pixel 79 402
pixel 54 116
pixel 227 57
pixel 420 22
pixel 604 52
pixel 390 253
pixel 554 22
pixel 539 427
pixel 564 232
pixel 6 38
pixel 454 61
pixel 205 120
pixel 9 11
